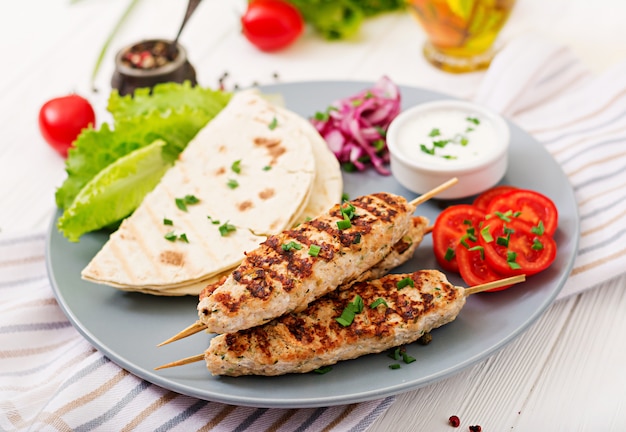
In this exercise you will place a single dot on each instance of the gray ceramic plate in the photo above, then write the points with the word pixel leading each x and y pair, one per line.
pixel 126 327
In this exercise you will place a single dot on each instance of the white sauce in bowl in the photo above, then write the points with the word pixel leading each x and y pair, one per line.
pixel 435 141
pixel 446 138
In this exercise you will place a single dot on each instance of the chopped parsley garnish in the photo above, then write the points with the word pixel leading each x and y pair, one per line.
pixel 267 167
pixel 226 229
pixel 434 132
pixel 473 120
pixel 291 245
pixel 350 311
pixel 233 184
pixel 378 302
pixel 403 283
pixel 213 221
pixel 314 250
pixel 236 166
pixel 430 151
pixel 167 221
pixel 273 124
pixel 182 203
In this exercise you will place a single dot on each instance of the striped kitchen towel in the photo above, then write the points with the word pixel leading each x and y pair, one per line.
pixel 581 119
pixel 52 379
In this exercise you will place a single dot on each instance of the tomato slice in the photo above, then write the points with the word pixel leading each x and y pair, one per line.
pixel 532 207
pixel 483 200
pixel 512 248
pixel 474 269
pixel 452 224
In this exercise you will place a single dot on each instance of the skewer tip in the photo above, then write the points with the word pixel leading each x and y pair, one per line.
pixel 181 362
pixel 495 284
pixel 192 329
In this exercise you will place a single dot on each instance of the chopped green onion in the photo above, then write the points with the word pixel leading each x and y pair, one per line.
pixel 537 245
pixel 403 283
pixel 233 184
pixel 394 366
pixel 480 249
pixel 357 238
pixel 395 354
pixel 183 237
pixel 440 143
pixel 345 197
pixel 350 311
pixel 378 302
pixel 426 150
pixel 517 214
pixel 510 259
pixel 170 236
pixel 502 241
pixel 314 250
pixel 323 370
pixel 167 221
pixel 450 254
pixel 236 166
pixel 291 245
pixel 506 216
pixel 344 224
pixel 347 210
pixel 539 229
pixel 486 235
pixel 273 124
pixel 407 358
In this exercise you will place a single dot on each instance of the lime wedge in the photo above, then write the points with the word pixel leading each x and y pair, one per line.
pixel 115 192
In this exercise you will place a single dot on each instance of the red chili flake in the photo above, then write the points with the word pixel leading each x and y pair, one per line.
pixel 454 421
pixel 475 428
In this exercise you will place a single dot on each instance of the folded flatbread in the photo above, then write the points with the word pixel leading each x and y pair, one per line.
pixel 254 170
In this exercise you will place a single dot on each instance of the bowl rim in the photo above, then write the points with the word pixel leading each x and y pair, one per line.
pixel 170 67
pixel 501 127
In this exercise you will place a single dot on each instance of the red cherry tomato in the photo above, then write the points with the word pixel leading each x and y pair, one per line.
pixel 451 225
pixel 483 200
pixel 62 119
pixel 532 207
pixel 473 268
pixel 511 247
pixel 271 24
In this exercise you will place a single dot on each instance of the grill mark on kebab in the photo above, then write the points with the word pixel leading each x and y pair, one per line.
pixel 290 280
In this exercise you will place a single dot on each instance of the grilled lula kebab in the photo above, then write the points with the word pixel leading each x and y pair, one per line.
pixel 400 253
pixel 371 317
pixel 290 270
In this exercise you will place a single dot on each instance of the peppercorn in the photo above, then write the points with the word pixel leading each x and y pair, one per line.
pixel 475 428
pixel 454 421
pixel 425 339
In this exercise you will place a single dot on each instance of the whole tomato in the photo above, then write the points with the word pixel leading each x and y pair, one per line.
pixel 62 119
pixel 271 25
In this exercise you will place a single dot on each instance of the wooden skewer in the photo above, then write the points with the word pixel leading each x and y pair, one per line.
pixel 495 284
pixel 181 362
pixel 468 291
pixel 192 329
pixel 433 192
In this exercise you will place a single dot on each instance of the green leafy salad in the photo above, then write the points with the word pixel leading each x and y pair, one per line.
pixel 110 170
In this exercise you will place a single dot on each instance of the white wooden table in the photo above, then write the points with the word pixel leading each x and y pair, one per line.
pixel 565 373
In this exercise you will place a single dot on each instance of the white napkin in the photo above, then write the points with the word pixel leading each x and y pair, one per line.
pixel 581 119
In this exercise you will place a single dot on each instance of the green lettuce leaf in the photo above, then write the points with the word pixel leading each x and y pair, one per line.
pixel 115 191
pixel 173 113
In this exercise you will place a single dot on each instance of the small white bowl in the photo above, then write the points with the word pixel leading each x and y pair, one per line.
pixel 472 144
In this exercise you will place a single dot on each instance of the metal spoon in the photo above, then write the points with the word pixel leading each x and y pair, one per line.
pixel 191 8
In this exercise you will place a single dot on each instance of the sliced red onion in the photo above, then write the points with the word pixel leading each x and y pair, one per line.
pixel 355 127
